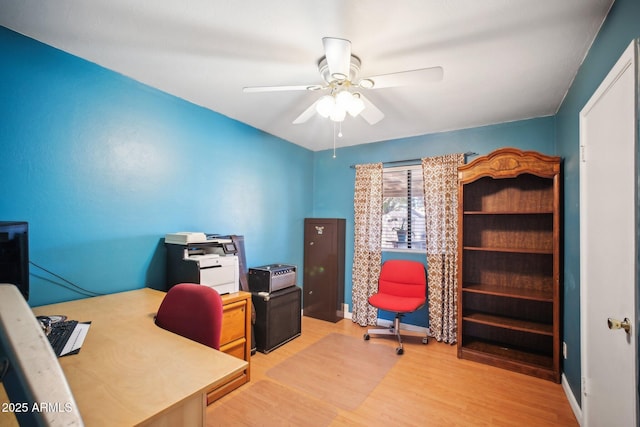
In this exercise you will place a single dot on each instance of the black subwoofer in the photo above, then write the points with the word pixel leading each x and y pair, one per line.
pixel 278 318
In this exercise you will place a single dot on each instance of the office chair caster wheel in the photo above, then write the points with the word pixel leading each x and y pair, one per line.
pixel 399 350
pixel 366 337
pixel 425 340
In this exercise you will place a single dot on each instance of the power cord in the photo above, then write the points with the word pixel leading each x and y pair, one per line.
pixel 72 286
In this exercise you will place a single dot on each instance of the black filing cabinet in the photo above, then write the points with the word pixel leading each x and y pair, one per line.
pixel 278 317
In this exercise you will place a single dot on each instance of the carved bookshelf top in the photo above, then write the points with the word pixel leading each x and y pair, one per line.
pixel 509 163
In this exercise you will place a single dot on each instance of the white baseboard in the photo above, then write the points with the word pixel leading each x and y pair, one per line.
pixel 345 310
pixel 575 407
pixel 389 323
pixel 405 327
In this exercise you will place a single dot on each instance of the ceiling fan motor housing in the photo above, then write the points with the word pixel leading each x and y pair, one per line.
pixel 354 70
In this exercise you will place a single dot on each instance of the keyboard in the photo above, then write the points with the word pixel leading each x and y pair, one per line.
pixel 60 333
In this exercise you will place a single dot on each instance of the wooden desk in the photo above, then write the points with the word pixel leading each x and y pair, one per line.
pixel 131 372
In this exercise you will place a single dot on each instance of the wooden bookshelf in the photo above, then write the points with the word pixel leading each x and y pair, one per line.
pixel 508 247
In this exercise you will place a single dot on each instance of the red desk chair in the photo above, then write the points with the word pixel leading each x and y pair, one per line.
pixel 402 289
pixel 193 311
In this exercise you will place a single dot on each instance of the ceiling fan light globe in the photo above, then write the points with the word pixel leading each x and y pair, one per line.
pixel 338 114
pixel 325 106
pixel 344 99
pixel 356 106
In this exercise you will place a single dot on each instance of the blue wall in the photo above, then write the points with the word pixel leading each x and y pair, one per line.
pixel 102 167
pixel 620 28
pixel 334 178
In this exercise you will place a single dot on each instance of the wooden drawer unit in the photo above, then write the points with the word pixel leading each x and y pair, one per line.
pixel 233 325
pixel 235 338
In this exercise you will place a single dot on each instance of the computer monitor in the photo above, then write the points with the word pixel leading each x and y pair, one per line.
pixel 14 255
pixel 32 377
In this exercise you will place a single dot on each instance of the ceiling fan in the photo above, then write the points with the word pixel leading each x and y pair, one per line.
pixel 340 69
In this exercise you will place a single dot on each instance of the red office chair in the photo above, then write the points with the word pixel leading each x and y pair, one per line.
pixel 193 311
pixel 402 288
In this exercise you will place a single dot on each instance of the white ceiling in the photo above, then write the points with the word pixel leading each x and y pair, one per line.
pixel 503 60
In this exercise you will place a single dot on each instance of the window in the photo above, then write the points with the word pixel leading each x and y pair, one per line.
pixel 403 225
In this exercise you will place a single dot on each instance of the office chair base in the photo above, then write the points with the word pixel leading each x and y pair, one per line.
pixel 399 349
pixel 395 331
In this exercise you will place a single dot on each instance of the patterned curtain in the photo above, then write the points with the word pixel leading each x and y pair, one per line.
pixel 441 212
pixel 367 252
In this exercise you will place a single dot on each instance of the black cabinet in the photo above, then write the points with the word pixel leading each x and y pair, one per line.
pixel 323 279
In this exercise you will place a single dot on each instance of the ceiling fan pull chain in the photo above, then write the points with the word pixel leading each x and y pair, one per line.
pixel 334 140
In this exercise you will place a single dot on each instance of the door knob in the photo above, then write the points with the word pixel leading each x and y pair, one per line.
pixel 617 324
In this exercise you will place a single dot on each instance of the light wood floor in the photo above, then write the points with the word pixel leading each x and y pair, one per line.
pixel 430 386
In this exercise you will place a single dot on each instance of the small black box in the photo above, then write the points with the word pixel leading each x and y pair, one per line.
pixel 272 277
pixel 278 318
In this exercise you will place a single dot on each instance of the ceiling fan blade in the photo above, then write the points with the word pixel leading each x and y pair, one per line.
pixel 406 78
pixel 306 114
pixel 253 89
pixel 338 54
pixel 371 113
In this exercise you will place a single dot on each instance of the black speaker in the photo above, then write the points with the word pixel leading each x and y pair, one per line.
pixel 278 318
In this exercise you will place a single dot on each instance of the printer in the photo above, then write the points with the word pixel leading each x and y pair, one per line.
pixel 206 259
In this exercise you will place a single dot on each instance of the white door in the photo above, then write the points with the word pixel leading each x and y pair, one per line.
pixel 608 248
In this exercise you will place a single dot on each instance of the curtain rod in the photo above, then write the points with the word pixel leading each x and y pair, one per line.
pixel 393 162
